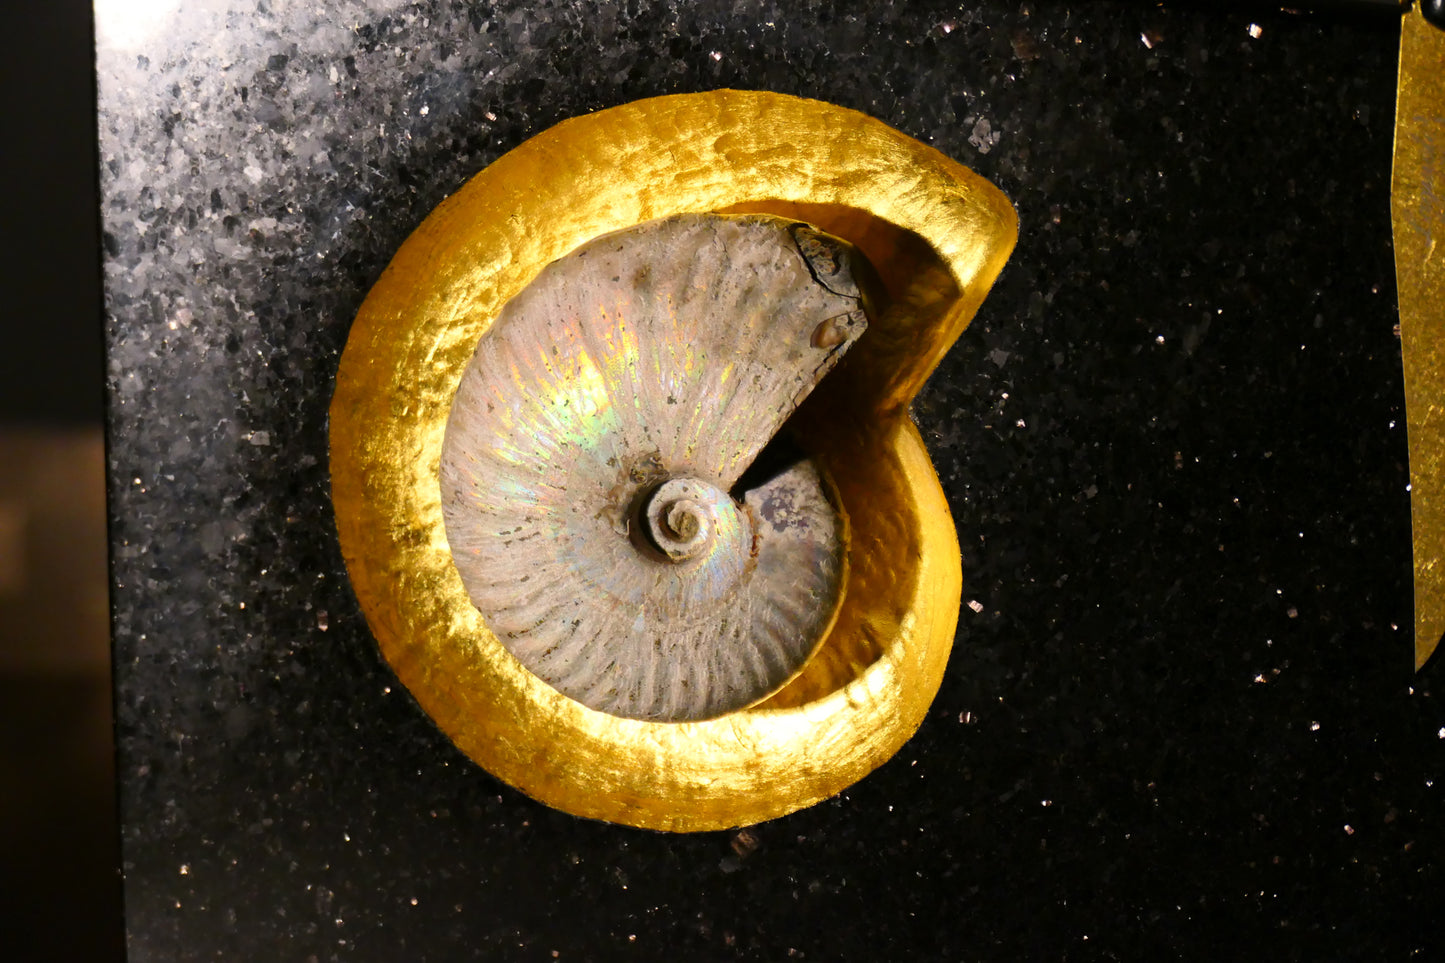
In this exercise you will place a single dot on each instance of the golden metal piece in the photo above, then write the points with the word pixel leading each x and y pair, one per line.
pixel 1417 207
pixel 938 235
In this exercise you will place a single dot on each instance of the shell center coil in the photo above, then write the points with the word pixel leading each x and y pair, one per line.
pixel 682 515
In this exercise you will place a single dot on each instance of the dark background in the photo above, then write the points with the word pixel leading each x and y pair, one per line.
pixel 1183 724
pixel 60 893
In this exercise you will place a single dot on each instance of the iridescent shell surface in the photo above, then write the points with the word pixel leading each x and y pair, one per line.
pixel 592 464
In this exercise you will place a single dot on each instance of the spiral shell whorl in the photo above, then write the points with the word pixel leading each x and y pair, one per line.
pixel 592 445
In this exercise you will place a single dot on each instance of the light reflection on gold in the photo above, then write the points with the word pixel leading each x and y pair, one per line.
pixel 938 236
pixel 1417 203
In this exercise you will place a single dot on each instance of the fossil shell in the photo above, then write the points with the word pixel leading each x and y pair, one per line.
pixel 592 464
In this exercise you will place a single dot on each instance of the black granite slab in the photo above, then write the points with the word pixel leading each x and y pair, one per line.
pixel 1180 720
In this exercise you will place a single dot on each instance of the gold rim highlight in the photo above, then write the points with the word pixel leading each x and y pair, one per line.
pixel 938 235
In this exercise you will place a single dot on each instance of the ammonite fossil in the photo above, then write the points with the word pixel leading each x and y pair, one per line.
pixel 590 478
pixel 598 524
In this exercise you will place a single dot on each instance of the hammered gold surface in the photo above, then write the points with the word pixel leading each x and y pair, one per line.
pixel 938 234
pixel 1417 202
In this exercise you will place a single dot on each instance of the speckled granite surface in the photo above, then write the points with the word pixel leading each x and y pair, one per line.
pixel 1181 722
